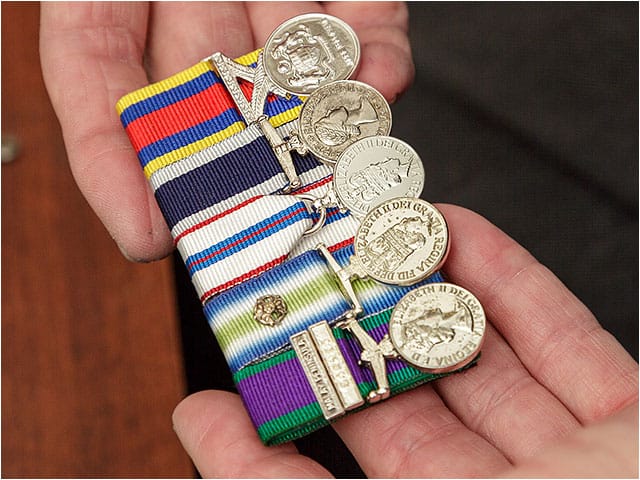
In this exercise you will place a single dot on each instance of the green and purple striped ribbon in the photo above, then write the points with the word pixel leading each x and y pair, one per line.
pixel 288 408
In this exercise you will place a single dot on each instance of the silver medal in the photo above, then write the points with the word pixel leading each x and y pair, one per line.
pixel 402 241
pixel 399 242
pixel 438 327
pixel 309 51
pixel 369 172
pixel 339 114
pixel 374 170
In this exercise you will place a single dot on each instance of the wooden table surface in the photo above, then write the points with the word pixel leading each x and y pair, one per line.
pixel 91 361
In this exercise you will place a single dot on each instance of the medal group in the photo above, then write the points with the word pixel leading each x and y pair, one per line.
pixel 401 240
pixel 299 221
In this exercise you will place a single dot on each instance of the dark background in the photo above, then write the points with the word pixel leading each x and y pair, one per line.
pixel 526 113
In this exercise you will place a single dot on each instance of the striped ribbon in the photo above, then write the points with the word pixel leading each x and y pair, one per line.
pixel 184 114
pixel 266 371
pixel 289 408
pixel 217 181
pixel 215 178
pixel 311 293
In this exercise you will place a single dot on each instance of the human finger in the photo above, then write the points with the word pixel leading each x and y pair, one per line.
pixel 220 439
pixel 500 400
pixel 606 449
pixel 183 33
pixel 266 16
pixel 415 435
pixel 386 62
pixel 91 55
pixel 554 335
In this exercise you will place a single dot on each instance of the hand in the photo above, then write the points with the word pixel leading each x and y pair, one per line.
pixel 553 395
pixel 92 54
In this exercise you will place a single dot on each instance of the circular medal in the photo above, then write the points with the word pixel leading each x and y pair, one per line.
pixel 339 114
pixel 309 51
pixel 438 327
pixel 374 170
pixel 402 241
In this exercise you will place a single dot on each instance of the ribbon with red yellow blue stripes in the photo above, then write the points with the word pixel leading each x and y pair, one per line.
pixel 215 177
pixel 184 114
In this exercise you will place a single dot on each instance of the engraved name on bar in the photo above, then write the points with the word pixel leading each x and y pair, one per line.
pixel 335 363
pixel 317 375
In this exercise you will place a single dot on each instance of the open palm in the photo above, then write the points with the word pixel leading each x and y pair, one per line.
pixel 553 394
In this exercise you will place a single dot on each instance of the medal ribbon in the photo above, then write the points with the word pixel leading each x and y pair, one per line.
pixel 292 409
pixel 267 374
pixel 184 114
pixel 216 180
pixel 215 177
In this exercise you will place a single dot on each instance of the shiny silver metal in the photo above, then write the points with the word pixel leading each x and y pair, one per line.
pixel 373 355
pixel 311 50
pixel 374 170
pixel 438 327
pixel 367 173
pixel 344 276
pixel 318 205
pixel 402 241
pixel 253 111
pixel 317 375
pixel 341 377
pixel 339 114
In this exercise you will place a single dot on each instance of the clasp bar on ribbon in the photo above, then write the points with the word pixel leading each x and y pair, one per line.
pixel 253 111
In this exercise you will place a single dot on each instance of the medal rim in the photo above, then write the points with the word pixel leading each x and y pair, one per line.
pixel 470 358
pixel 300 18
